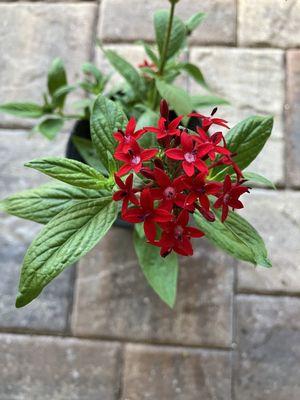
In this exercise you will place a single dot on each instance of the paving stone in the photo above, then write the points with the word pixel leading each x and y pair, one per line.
pixel 155 372
pixel 269 23
pixel 268 348
pixel 251 79
pixel 113 298
pixel 50 311
pixel 276 217
pixel 33 35
pixel 293 117
pixel 133 20
pixel 57 369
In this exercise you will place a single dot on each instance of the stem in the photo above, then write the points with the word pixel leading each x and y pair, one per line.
pixel 164 52
pixel 167 40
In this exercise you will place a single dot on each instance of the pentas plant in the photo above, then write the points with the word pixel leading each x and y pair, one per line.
pixel 176 179
pixel 171 183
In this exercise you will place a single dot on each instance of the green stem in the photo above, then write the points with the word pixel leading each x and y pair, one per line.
pixel 167 40
pixel 164 52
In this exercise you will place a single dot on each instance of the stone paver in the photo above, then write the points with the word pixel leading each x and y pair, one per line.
pixel 50 311
pixel 269 349
pixel 34 34
pixel 251 79
pixel 293 117
pixel 57 369
pixel 132 20
pixel 113 298
pixel 269 23
pixel 154 372
pixel 277 218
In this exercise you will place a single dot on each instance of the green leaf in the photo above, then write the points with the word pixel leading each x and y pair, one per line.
pixel 177 98
pixel 235 236
pixel 178 32
pixel 150 53
pixel 60 94
pixel 148 118
pixel 24 110
pixel 252 177
pixel 194 21
pixel 45 202
pixel 107 117
pixel 129 73
pixel 69 171
pixel 200 101
pixel 57 78
pixel 50 127
pixel 88 153
pixel 195 73
pixel 247 139
pixel 65 239
pixel 161 273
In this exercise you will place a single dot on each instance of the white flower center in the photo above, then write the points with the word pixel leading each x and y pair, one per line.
pixel 190 157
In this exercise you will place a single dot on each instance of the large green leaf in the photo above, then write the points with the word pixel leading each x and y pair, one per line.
pixel 107 117
pixel 252 177
pixel 200 101
pixel 65 239
pixel 148 118
pixel 50 127
pixel 194 21
pixel 161 273
pixel 129 73
pixel 70 171
pixel 178 99
pixel 247 139
pixel 236 236
pixel 178 32
pixel 45 202
pixel 194 72
pixel 57 78
pixel 88 153
pixel 24 110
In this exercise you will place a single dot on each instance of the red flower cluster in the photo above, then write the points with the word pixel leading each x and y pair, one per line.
pixel 174 179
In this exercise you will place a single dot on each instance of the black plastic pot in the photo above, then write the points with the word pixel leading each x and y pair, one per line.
pixel 82 129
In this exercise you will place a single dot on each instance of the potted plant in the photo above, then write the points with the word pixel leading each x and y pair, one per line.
pixel 173 182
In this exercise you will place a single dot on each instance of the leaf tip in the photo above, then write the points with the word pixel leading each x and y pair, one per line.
pixel 21 301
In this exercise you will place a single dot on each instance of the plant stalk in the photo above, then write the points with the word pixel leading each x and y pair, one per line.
pixel 164 51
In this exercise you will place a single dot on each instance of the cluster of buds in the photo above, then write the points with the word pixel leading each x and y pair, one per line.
pixel 175 178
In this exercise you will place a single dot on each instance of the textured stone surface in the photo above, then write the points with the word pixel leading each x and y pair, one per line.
pixel 293 116
pixel 175 374
pixel 114 299
pixel 33 35
pixel 269 349
pixel 50 311
pixel 252 80
pixel 264 22
pixel 123 21
pixel 56 369
pixel 276 216
pixel 270 162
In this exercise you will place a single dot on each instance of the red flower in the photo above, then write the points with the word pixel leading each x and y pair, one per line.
pixel 227 160
pixel 207 122
pixel 125 139
pixel 177 236
pixel 199 189
pixel 191 154
pixel 165 128
pixel 214 140
pixel 168 190
pixel 230 196
pixel 126 192
pixel 134 158
pixel 148 214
